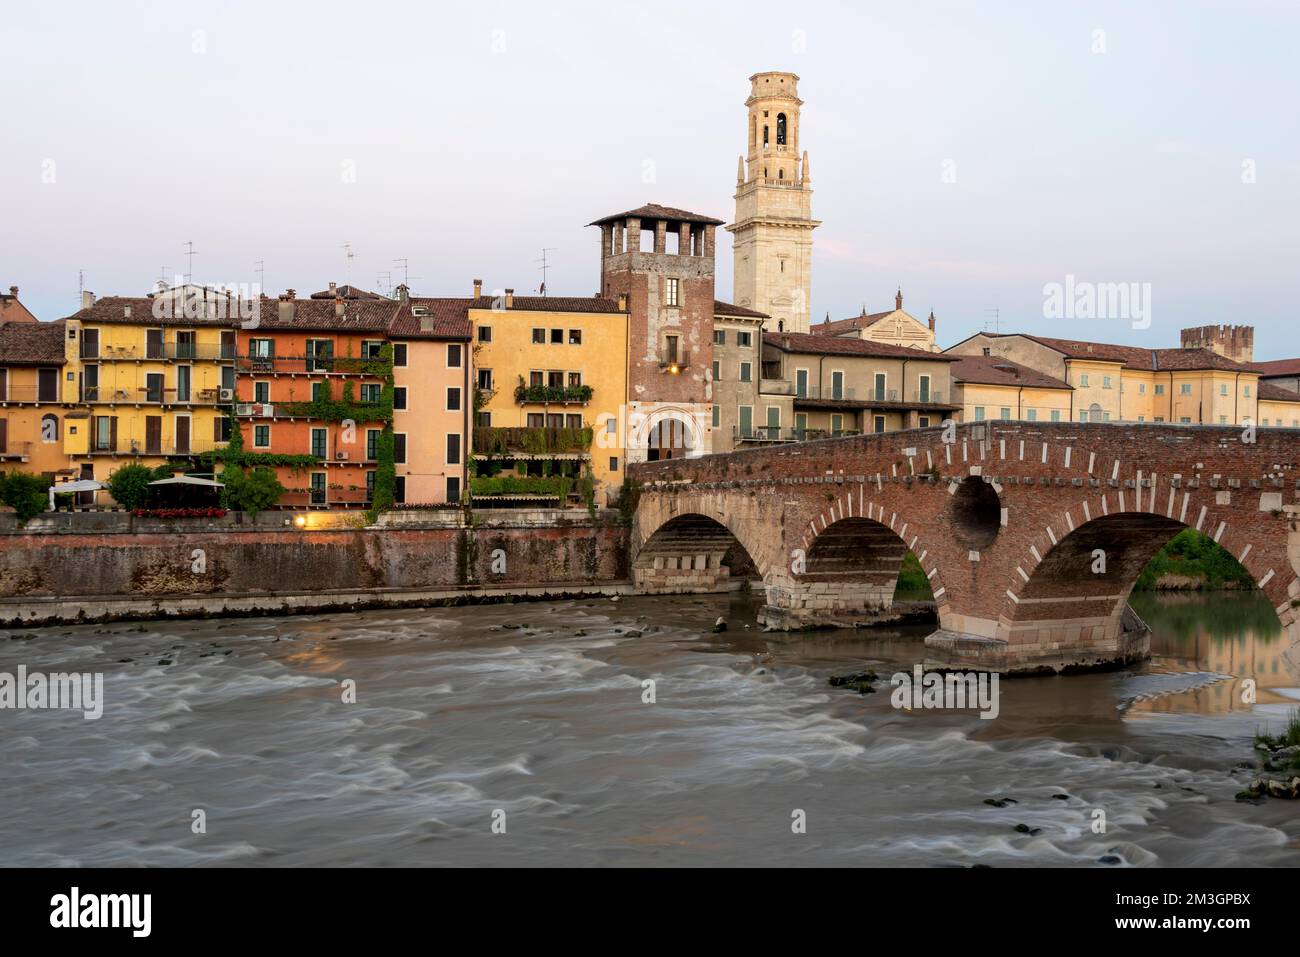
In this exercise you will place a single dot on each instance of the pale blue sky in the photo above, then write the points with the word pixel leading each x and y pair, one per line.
pixel 484 132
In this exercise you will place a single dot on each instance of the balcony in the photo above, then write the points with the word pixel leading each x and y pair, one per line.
pixel 765 434
pixel 18 394
pixel 674 361
pixel 16 452
pixel 525 442
pixel 313 365
pixel 145 447
pixel 145 395
pixel 164 352
pixel 552 395
pixel 775 387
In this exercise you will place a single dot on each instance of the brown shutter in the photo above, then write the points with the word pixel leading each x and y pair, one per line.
pixel 4 435
pixel 216 428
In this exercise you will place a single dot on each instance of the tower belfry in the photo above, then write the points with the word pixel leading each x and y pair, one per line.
pixel 772 233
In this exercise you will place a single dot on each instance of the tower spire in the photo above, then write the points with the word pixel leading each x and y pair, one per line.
pixel 807 176
pixel 740 170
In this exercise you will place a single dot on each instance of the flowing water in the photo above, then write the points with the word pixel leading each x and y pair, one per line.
pixel 532 716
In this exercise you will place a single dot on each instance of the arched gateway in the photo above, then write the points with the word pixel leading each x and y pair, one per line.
pixel 1032 534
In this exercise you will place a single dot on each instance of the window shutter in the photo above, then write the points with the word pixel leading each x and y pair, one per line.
pixel 112 434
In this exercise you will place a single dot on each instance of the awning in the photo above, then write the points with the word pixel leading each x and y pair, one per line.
pixel 81 485
pixel 188 480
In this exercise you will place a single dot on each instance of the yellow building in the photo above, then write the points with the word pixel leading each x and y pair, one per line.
pixel 547 369
pixel 36 401
pixel 154 381
pixel 1114 383
pixel 989 388
pixel 1278 406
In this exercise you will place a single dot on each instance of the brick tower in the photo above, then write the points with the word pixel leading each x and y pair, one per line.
pixel 1234 342
pixel 773 228
pixel 662 260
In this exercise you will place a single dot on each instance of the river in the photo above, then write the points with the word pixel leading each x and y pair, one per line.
pixel 532 716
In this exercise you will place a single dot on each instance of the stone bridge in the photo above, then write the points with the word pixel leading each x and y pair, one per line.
pixel 1032 534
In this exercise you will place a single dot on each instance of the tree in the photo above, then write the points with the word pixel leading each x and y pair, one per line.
pixel 129 485
pixel 25 493
pixel 251 492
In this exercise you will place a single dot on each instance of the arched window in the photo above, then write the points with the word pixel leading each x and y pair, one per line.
pixel 780 174
pixel 780 129
pixel 49 428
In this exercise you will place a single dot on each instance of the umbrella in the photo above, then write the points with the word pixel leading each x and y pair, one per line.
pixel 81 485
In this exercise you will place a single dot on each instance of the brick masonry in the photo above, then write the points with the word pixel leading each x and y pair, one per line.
pixel 1005 520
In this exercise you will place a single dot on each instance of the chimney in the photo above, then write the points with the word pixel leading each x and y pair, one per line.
pixel 622 302
pixel 478 288
pixel 338 305
pixel 87 299
pixel 334 290
pixel 126 312
pixel 510 298
pixel 13 291
pixel 403 293
pixel 284 308
pixel 290 294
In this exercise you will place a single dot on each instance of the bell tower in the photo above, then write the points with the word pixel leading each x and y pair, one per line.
pixel 772 233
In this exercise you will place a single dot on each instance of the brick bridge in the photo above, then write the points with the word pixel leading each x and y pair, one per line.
pixel 1011 522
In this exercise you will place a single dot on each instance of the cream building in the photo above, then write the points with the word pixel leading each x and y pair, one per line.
pixel 772 234
pixel 893 327
pixel 996 388
pixel 1114 383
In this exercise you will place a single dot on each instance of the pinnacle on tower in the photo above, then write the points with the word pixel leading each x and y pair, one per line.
pixel 898 299
pixel 740 171
pixel 807 176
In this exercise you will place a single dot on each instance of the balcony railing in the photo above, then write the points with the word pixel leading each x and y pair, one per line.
pixel 828 392
pixel 553 395
pixel 16 451
pixel 544 441
pixel 167 351
pixel 29 393
pixel 772 433
pixel 195 446
pixel 144 395
pixel 313 365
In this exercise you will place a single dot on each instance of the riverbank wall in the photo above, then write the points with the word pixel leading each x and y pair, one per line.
pixel 77 567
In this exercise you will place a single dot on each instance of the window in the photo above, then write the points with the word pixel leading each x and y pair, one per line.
pixel 453 488
pixel 1142 388
pixel 672 292
pixel 573 421
pixel 879 424
pixel 370 348
pixel 483 419
pixel 370 486
pixel 744 339
pixel 837 385
pixel 399 489
pixel 923 421
pixel 372 443
pixel 536 420
pixel 1185 388
pixel 773 422
pixel 317 390
pixel 399 397
pixel 539 337
pixel 1159 418
pixel 50 428
pixel 183 379
pixel 1056 415
pixel 1032 414
pixel 262 436
pixel 1223 388
pixel 399 447
pixel 185 345
pixel 1083 380
pixel 880 387
pixel 319 442
pixel 485 379
pixel 1185 420
pixel 613 463
pixel 399 354
pixel 262 392
pixel 575 337
pixel 923 388
pixel 1223 420
pixel 747 372
pixel 557 337
pixel 837 424
pixel 484 333
pixel 801 383
pixel 717 416
pixel 1083 416
pixel 979 413
pixel 453 399
pixel 453 448
pixel 1105 382
pixel 320 355
pixel 1143 418
pixel 536 377
pixel 1245 390
pixel 719 337
pixel 318 488
pixel 1160 389
pixel 717 371
pixel 670 345
pixel 1005 414
pixel 611 426
pixel 453 355
pixel 746 421
pixel 370 391
pixel 575 380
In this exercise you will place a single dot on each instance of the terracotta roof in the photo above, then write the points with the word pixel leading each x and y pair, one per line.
pixel 550 303
pixel 113 309
pixel 346 292
pixel 803 342
pixel 1276 367
pixel 1134 357
pixel 445 319
pixel 1275 393
pixel 359 315
pixel 837 327
pixel 32 343
pixel 721 308
pixel 993 370
pixel 655 211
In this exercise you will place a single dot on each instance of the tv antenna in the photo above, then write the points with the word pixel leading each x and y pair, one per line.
pixel 189 252
pixel 544 266
pixel 347 253
pixel 259 267
pixel 993 316
pixel 405 264
pixel 385 282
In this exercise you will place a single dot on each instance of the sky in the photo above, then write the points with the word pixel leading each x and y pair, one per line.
pixel 969 153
